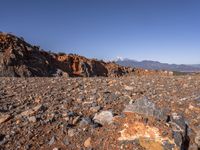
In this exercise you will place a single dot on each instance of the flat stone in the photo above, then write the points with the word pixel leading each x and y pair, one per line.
pixel 66 141
pixel 128 88
pixel 95 108
pixel 4 118
pixel 87 142
pixel 104 117
pixel 147 108
pixel 31 111
pixel 52 140
pixel 75 120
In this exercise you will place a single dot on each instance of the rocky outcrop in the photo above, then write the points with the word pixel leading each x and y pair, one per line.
pixel 153 127
pixel 80 66
pixel 18 58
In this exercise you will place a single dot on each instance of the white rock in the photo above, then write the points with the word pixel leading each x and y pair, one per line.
pixel 104 117
pixel 32 119
pixel 128 88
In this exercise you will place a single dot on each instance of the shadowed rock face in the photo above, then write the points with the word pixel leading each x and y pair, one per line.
pixel 20 59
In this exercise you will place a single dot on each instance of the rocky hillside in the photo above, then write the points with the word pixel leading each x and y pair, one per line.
pixel 20 59
pixel 141 113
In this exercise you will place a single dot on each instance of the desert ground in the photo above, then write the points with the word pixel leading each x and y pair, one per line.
pixel 131 112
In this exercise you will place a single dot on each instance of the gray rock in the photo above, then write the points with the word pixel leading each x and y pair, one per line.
pixel 168 146
pixel 66 141
pixel 178 138
pixel 71 114
pixel 52 140
pixel 147 108
pixel 104 117
pixel 180 130
pixel 85 121
pixel 178 122
pixel 2 139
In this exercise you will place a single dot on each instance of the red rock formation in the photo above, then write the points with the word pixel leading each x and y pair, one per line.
pixel 18 58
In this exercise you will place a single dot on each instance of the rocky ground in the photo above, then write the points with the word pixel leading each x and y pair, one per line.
pixel 146 112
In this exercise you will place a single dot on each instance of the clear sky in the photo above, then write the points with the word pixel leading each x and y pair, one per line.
pixel 163 30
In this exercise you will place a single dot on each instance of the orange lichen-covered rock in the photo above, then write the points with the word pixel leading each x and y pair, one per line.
pixel 149 135
pixel 143 122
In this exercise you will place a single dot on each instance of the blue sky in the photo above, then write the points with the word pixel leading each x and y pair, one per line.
pixel 163 30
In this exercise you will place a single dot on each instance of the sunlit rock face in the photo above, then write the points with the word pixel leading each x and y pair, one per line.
pixel 18 58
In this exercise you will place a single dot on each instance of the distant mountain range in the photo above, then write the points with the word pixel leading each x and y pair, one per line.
pixel 155 65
